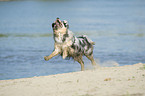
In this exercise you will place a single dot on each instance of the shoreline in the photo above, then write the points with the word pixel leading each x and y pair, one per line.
pixel 128 80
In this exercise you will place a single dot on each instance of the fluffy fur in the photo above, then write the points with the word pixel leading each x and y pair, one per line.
pixel 68 45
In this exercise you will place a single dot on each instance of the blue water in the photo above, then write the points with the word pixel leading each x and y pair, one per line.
pixel 116 26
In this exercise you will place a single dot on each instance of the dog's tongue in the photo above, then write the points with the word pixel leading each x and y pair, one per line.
pixel 58 22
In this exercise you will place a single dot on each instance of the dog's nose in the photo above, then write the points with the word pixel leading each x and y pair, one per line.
pixel 57 19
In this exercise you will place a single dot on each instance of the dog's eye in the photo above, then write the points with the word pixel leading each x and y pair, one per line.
pixel 66 25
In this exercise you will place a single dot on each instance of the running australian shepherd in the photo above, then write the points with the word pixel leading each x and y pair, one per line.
pixel 68 45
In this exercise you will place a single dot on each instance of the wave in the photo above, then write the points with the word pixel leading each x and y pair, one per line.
pixel 26 35
pixel 76 33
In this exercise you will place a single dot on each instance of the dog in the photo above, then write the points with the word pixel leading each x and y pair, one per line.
pixel 68 45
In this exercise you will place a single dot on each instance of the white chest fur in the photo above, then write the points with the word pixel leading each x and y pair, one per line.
pixel 61 37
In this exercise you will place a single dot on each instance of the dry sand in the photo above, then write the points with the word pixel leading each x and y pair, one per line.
pixel 126 80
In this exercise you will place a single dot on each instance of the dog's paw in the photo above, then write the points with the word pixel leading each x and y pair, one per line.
pixel 46 58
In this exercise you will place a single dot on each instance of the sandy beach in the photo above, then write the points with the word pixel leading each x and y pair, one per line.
pixel 126 80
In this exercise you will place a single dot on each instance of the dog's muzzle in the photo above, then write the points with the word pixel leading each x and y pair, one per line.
pixel 57 24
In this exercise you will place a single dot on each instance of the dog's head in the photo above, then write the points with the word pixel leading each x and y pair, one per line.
pixel 59 25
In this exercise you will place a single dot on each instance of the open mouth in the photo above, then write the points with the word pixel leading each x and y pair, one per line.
pixel 57 24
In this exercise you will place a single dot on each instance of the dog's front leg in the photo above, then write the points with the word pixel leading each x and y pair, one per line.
pixel 54 53
pixel 64 53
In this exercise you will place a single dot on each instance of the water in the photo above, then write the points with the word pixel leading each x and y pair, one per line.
pixel 116 26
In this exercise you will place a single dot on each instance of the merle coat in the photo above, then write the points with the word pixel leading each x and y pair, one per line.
pixel 68 45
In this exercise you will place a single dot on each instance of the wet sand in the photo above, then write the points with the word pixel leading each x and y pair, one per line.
pixel 126 80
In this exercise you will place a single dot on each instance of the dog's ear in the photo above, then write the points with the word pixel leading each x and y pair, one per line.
pixel 53 25
pixel 66 24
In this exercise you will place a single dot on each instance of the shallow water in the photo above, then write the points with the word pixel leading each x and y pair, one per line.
pixel 117 27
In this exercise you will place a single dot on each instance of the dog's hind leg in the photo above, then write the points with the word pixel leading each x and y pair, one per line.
pixel 90 57
pixel 80 60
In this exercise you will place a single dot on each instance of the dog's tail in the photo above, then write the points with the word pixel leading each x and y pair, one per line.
pixel 93 43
